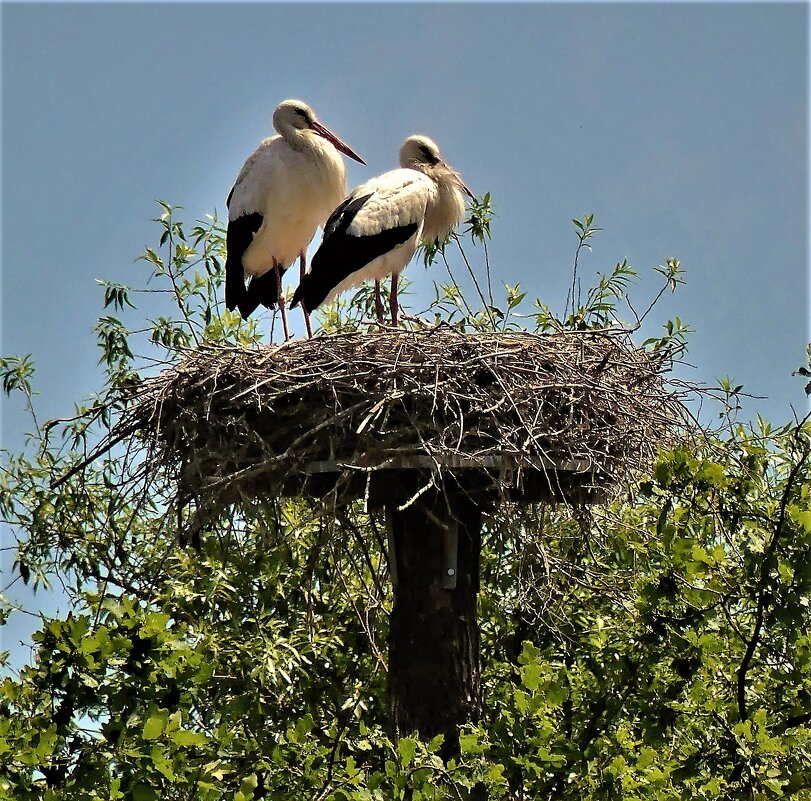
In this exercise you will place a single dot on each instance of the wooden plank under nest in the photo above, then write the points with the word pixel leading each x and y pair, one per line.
pixel 490 480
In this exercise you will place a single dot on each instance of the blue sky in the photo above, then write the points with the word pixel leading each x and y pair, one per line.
pixel 683 128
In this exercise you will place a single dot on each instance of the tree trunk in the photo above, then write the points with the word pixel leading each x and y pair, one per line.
pixel 434 674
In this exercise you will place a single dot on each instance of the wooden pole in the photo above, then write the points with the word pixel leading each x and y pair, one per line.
pixel 434 672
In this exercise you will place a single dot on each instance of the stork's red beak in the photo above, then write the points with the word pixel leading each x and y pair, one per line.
pixel 322 130
pixel 459 182
pixel 464 188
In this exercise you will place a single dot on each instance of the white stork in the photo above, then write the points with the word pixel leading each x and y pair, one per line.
pixel 285 190
pixel 375 231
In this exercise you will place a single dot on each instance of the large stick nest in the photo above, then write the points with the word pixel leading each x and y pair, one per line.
pixel 567 413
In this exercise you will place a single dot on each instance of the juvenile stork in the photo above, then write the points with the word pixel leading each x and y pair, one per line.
pixel 376 230
pixel 285 190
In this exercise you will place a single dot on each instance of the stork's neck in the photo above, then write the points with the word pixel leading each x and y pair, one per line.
pixel 317 171
pixel 447 207
pixel 308 142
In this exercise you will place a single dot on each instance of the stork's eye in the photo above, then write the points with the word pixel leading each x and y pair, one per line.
pixel 303 114
pixel 428 155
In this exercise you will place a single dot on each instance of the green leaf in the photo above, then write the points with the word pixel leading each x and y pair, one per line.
pixel 407 747
pixel 153 727
pixel 804 519
pixel 470 743
pixel 162 763
pixel 185 737
pixel 647 756
pixel 143 792
pixel 531 676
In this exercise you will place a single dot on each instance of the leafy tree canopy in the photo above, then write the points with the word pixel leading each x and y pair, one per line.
pixel 654 648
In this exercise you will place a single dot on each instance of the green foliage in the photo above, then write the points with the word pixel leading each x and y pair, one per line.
pixel 603 308
pixel 806 371
pixel 657 648
pixel 17 373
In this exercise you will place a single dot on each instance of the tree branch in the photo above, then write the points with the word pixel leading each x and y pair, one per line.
pixel 765 568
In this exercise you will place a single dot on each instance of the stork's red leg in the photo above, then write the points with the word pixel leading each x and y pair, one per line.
pixel 395 279
pixel 307 321
pixel 302 271
pixel 280 299
pixel 378 303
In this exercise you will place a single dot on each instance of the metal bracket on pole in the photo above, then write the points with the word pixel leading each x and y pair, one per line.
pixel 450 547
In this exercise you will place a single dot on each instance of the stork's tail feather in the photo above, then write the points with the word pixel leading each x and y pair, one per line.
pixel 234 288
pixel 262 289
pixel 247 305
pixel 310 292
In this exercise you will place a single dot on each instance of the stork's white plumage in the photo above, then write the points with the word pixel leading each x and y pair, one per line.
pixel 285 190
pixel 376 230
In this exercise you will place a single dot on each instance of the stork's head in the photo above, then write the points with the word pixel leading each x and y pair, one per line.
pixel 292 117
pixel 292 114
pixel 419 151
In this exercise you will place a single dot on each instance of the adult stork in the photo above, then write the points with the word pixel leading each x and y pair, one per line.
pixel 285 190
pixel 376 230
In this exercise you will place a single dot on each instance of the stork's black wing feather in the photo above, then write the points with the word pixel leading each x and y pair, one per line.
pixel 238 237
pixel 344 214
pixel 342 253
pixel 262 289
